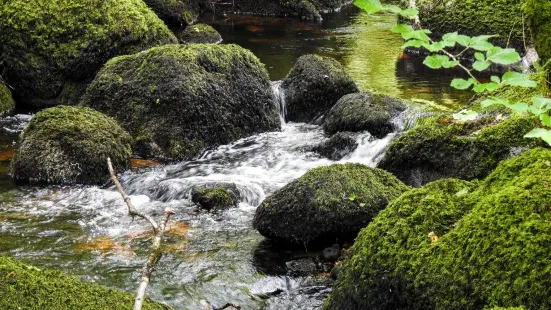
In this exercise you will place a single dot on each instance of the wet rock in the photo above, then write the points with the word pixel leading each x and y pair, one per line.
pixel 538 14
pixel 313 86
pixel 440 148
pixel 199 33
pixel 331 253
pixel 215 197
pixel 338 146
pixel 301 267
pixel 400 261
pixel 177 100
pixel 326 203
pixel 363 111
pixel 70 145
pixel 6 100
pixel 52 51
pixel 175 13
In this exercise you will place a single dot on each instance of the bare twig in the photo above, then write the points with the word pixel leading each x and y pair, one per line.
pixel 131 210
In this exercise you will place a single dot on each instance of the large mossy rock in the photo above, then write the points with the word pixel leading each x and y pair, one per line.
pixel 175 13
pixel 538 14
pixel 475 17
pixel 27 287
pixel 177 100
pixel 53 49
pixel 199 33
pixel 70 145
pixel 381 269
pixel 326 203
pixel 313 86
pixel 440 148
pixel 415 256
pixel 7 103
pixel 363 111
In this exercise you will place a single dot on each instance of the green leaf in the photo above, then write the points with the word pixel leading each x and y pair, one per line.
pixel 352 197
pixel 463 40
pixel 481 65
pixel 465 115
pixel 402 28
pixel 545 119
pixel 393 8
pixel 503 56
pixel 518 107
pixel 480 43
pixel 493 101
pixel 410 13
pixel 416 34
pixel 542 103
pixel 450 64
pixel 461 83
pixel 495 79
pixel 452 36
pixel 542 133
pixel 436 61
pixel 482 87
pixel 517 79
pixel 370 6
pixel 479 56
pixel 413 43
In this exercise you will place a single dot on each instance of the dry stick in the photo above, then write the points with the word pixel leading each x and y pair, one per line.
pixel 155 251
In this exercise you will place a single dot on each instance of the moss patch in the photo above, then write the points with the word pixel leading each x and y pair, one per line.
pixel 214 198
pixel 326 203
pixel 69 145
pixel 538 14
pixel 26 287
pixel 6 100
pixel 177 13
pixel 199 33
pixel 51 49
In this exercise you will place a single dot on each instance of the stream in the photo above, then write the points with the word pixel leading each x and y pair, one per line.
pixel 217 258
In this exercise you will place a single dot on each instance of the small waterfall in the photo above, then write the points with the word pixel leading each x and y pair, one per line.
pixel 279 94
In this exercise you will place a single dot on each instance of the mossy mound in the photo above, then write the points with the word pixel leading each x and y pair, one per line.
pixel 441 148
pixel 7 104
pixel 326 203
pixel 177 100
pixel 313 86
pixel 70 145
pixel 381 269
pixel 538 14
pixel 199 33
pixel 52 50
pixel 215 198
pixel 498 255
pixel 338 146
pixel 363 111
pixel 475 17
pixel 176 13
pixel 26 287
pixel 487 245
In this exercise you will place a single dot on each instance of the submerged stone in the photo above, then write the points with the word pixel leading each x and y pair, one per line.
pixel 177 100
pixel 313 86
pixel 52 50
pixel 326 203
pixel 215 197
pixel 337 146
pixel 70 145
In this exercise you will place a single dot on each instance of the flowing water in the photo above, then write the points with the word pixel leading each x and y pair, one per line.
pixel 217 258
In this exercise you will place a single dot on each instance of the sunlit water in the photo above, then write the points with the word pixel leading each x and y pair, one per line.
pixel 217 258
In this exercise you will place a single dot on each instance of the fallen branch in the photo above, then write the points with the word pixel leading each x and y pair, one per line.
pixel 155 252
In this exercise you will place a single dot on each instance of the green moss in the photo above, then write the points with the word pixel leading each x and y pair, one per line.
pixel 48 45
pixel 26 287
pixel 214 198
pixel 178 13
pixel 475 17
pixel 363 111
pixel 313 86
pixel 68 145
pixel 439 148
pixel 498 255
pixel 6 100
pixel 204 95
pixel 538 14
pixel 199 33
pixel 327 202
pixel 511 93
pixel 385 256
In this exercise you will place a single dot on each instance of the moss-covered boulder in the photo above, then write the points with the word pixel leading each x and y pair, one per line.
pixel 441 148
pixel 27 287
pixel 216 197
pixel 199 33
pixel 52 50
pixel 363 111
pixel 475 17
pixel 177 100
pixel 326 203
pixel 7 104
pixel 175 13
pixel 338 146
pixel 383 261
pixel 70 145
pixel 313 86
pixel 538 14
